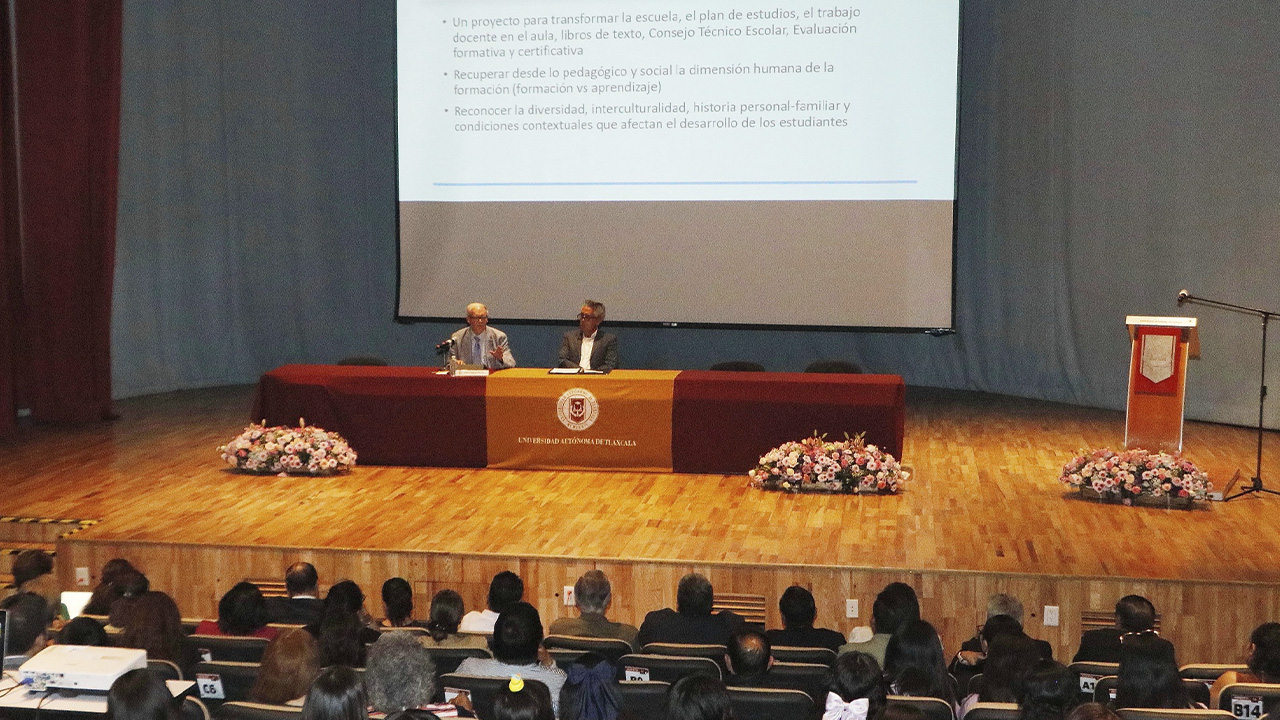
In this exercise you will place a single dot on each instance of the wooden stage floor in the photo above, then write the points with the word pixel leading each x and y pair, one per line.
pixel 984 496
pixel 983 508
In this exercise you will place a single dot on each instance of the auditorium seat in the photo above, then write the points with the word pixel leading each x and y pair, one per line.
pixel 810 678
pixel 1160 714
pixel 164 669
pixel 770 704
pixel 789 653
pixel 738 366
pixel 230 647
pixel 833 366
pixel 1089 673
pixel 933 708
pixel 244 710
pixel 1209 672
pixel 975 685
pixel 193 709
pixel 992 711
pixel 1105 690
pixel 447 659
pixel 609 648
pixel 714 653
pixel 1243 699
pixel 645 699
pixel 483 689
pixel 237 679
pixel 668 668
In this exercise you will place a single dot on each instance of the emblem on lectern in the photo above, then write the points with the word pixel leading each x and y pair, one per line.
pixel 1157 357
pixel 577 409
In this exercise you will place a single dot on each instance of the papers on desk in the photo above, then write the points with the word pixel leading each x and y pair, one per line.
pixel 574 371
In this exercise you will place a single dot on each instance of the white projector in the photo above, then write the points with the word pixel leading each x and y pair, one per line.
pixel 80 667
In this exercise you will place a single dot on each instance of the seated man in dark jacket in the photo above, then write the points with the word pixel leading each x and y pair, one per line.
pixel 692 620
pixel 1134 614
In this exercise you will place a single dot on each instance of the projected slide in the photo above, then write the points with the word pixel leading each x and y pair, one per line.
pixel 663 156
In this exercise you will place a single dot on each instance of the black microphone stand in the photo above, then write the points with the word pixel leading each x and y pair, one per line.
pixel 1255 485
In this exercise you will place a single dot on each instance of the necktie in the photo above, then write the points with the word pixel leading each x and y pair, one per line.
pixel 478 357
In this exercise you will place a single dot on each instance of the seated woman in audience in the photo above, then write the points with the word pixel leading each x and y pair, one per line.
pixel 520 700
pixel 1048 691
pixel 857 689
pixel 289 665
pixel 140 695
pixel 401 676
pixel 442 623
pixel 698 697
pixel 32 572
pixel 397 600
pixel 1263 658
pixel 242 611
pixel 590 690
pixel 1092 711
pixel 337 694
pixel 346 596
pixel 1009 655
pixel 915 664
pixel 108 590
pixel 131 585
pixel 341 638
pixel 1148 675
pixel 84 631
pixel 153 623
pixel 517 647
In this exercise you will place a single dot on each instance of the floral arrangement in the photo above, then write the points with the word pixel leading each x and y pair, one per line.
pixel 1134 473
pixel 284 450
pixel 816 465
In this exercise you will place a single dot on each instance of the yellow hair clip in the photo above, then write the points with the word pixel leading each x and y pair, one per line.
pixel 517 683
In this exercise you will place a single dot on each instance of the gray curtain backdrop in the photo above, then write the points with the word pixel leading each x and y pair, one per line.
pixel 1111 153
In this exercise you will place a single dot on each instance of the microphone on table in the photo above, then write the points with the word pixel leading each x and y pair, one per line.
pixel 443 347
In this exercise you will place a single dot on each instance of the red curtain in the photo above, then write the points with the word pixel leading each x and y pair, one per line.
pixel 55 333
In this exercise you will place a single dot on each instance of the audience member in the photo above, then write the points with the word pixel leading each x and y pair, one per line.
pixel 692 621
pixel 1009 656
pixel 505 589
pixel 798 614
pixel 1148 675
pixel 593 596
pixel 84 631
pixel 397 603
pixel 108 589
pixel 400 674
pixel 442 623
pixel 698 697
pixel 337 694
pixel 303 605
pixel 523 700
pixel 140 695
pixel 894 607
pixel 969 660
pixel 241 611
pixel 1263 658
pixel 1134 614
pixel 341 637
pixel 1048 691
pixel 517 640
pixel 748 659
pixel 133 585
pixel 33 572
pixel 968 663
pixel 590 690
pixel 28 627
pixel 857 688
pixel 289 665
pixel 153 623
pixel 915 665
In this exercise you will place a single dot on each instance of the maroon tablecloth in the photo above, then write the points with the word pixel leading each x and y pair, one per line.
pixel 390 415
pixel 722 422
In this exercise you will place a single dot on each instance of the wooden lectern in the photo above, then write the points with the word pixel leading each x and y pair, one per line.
pixel 1157 380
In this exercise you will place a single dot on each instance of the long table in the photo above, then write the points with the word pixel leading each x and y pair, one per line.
pixel 693 421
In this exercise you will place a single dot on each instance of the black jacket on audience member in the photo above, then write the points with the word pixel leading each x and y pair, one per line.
pixel 668 626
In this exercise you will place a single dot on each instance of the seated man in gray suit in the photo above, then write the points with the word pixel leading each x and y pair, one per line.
pixel 586 347
pixel 479 344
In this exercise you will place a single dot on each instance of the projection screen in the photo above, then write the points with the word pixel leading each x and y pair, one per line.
pixel 737 163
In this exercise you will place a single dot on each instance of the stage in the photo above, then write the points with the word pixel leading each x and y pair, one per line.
pixel 983 512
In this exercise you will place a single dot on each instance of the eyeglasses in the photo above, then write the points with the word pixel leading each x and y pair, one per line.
pixel 477 317
pixel 587 316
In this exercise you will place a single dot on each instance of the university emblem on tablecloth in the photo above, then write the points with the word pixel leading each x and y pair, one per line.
pixel 577 409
